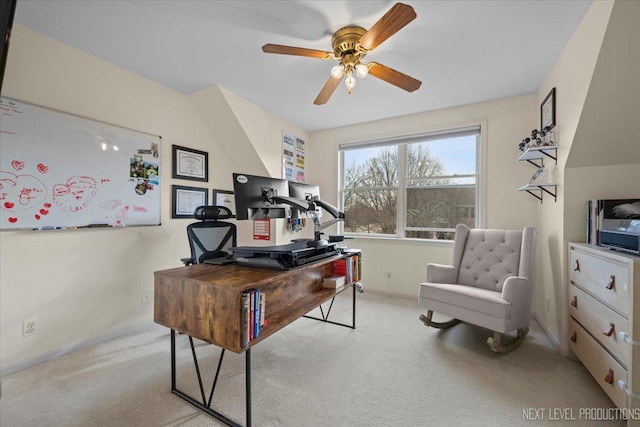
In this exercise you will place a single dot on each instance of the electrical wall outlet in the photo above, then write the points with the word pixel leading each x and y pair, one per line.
pixel 30 327
pixel 145 297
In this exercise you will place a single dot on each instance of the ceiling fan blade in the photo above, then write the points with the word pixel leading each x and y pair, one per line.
pixel 327 90
pixel 298 51
pixel 392 22
pixel 394 77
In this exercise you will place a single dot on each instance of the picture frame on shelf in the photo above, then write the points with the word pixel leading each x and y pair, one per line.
pixel 548 110
pixel 224 198
pixel 185 200
pixel 190 164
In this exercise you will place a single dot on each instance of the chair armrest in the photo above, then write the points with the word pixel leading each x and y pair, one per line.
pixel 439 273
pixel 517 290
pixel 187 261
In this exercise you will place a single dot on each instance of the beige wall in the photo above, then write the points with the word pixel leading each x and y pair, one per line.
pixel 397 267
pixel 598 155
pixel 252 138
pixel 84 284
pixel 87 284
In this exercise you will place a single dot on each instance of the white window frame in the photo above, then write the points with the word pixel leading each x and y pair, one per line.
pixel 401 142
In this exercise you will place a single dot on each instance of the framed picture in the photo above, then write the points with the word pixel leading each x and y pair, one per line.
pixel 190 164
pixel 187 199
pixel 224 198
pixel 548 110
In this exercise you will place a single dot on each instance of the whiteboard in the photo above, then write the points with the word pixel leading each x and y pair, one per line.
pixel 59 170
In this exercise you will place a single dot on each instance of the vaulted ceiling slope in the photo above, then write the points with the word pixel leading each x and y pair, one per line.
pixel 463 51
pixel 607 132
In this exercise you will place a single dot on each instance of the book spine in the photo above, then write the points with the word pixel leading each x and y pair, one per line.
pixel 251 315
pixel 256 313
pixel 246 306
pixel 356 273
pixel 340 267
pixel 262 309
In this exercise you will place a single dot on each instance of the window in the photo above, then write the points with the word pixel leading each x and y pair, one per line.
pixel 417 187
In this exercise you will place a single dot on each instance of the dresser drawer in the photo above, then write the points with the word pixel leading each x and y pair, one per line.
pixel 598 362
pixel 597 318
pixel 595 274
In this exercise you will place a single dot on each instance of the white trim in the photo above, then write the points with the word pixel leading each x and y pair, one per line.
pixel 481 173
pixel 70 348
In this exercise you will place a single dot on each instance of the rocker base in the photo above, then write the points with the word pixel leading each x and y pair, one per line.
pixel 440 325
pixel 495 342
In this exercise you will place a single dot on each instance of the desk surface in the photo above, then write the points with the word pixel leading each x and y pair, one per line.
pixel 205 301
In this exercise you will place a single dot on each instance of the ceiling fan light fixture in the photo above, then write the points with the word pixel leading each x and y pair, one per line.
pixel 362 70
pixel 338 71
pixel 350 45
pixel 350 82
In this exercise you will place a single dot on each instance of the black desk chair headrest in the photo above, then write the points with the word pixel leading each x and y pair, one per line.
pixel 204 213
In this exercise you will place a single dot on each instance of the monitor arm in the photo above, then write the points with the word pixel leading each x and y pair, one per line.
pixel 317 226
pixel 310 206
pixel 293 202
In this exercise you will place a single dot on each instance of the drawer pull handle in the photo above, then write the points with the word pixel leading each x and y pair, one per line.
pixel 609 331
pixel 609 378
pixel 612 283
pixel 625 337
pixel 577 267
pixel 574 337
pixel 574 301
pixel 628 392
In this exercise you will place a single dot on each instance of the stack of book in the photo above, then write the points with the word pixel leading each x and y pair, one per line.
pixel 349 267
pixel 253 320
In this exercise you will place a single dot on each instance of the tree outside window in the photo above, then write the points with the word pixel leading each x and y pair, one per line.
pixel 419 190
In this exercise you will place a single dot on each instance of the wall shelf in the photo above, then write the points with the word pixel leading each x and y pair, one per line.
pixel 539 153
pixel 536 156
pixel 534 189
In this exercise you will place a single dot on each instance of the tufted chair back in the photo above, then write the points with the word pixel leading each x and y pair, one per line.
pixel 486 258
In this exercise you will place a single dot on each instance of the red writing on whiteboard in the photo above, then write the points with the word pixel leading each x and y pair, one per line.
pixel 75 194
pixel 17 164
pixel 104 180
pixel 20 192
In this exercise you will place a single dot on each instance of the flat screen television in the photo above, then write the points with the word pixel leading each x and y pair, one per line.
pixel 256 197
pixel 7 11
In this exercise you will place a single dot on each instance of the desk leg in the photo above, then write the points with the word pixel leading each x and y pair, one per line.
pixel 325 318
pixel 173 360
pixel 248 384
pixel 206 406
pixel 353 323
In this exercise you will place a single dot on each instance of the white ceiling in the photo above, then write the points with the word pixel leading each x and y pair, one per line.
pixel 462 51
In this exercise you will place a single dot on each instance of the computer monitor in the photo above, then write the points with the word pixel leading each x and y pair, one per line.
pixel 304 191
pixel 254 197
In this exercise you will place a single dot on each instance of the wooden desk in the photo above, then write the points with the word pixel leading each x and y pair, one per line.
pixel 205 302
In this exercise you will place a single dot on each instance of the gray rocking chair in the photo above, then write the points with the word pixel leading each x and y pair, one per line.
pixel 490 284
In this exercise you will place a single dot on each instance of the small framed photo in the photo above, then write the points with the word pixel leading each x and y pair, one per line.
pixel 548 110
pixel 224 198
pixel 190 164
pixel 187 199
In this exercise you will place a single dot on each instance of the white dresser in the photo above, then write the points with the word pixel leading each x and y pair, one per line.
pixel 604 324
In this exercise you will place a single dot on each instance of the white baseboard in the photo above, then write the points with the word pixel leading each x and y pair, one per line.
pixel 70 348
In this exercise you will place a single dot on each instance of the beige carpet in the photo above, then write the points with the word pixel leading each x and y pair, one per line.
pixel 390 371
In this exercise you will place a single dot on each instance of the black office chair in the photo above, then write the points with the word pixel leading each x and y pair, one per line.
pixel 210 237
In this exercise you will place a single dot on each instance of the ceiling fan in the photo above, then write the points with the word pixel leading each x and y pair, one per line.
pixel 350 45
